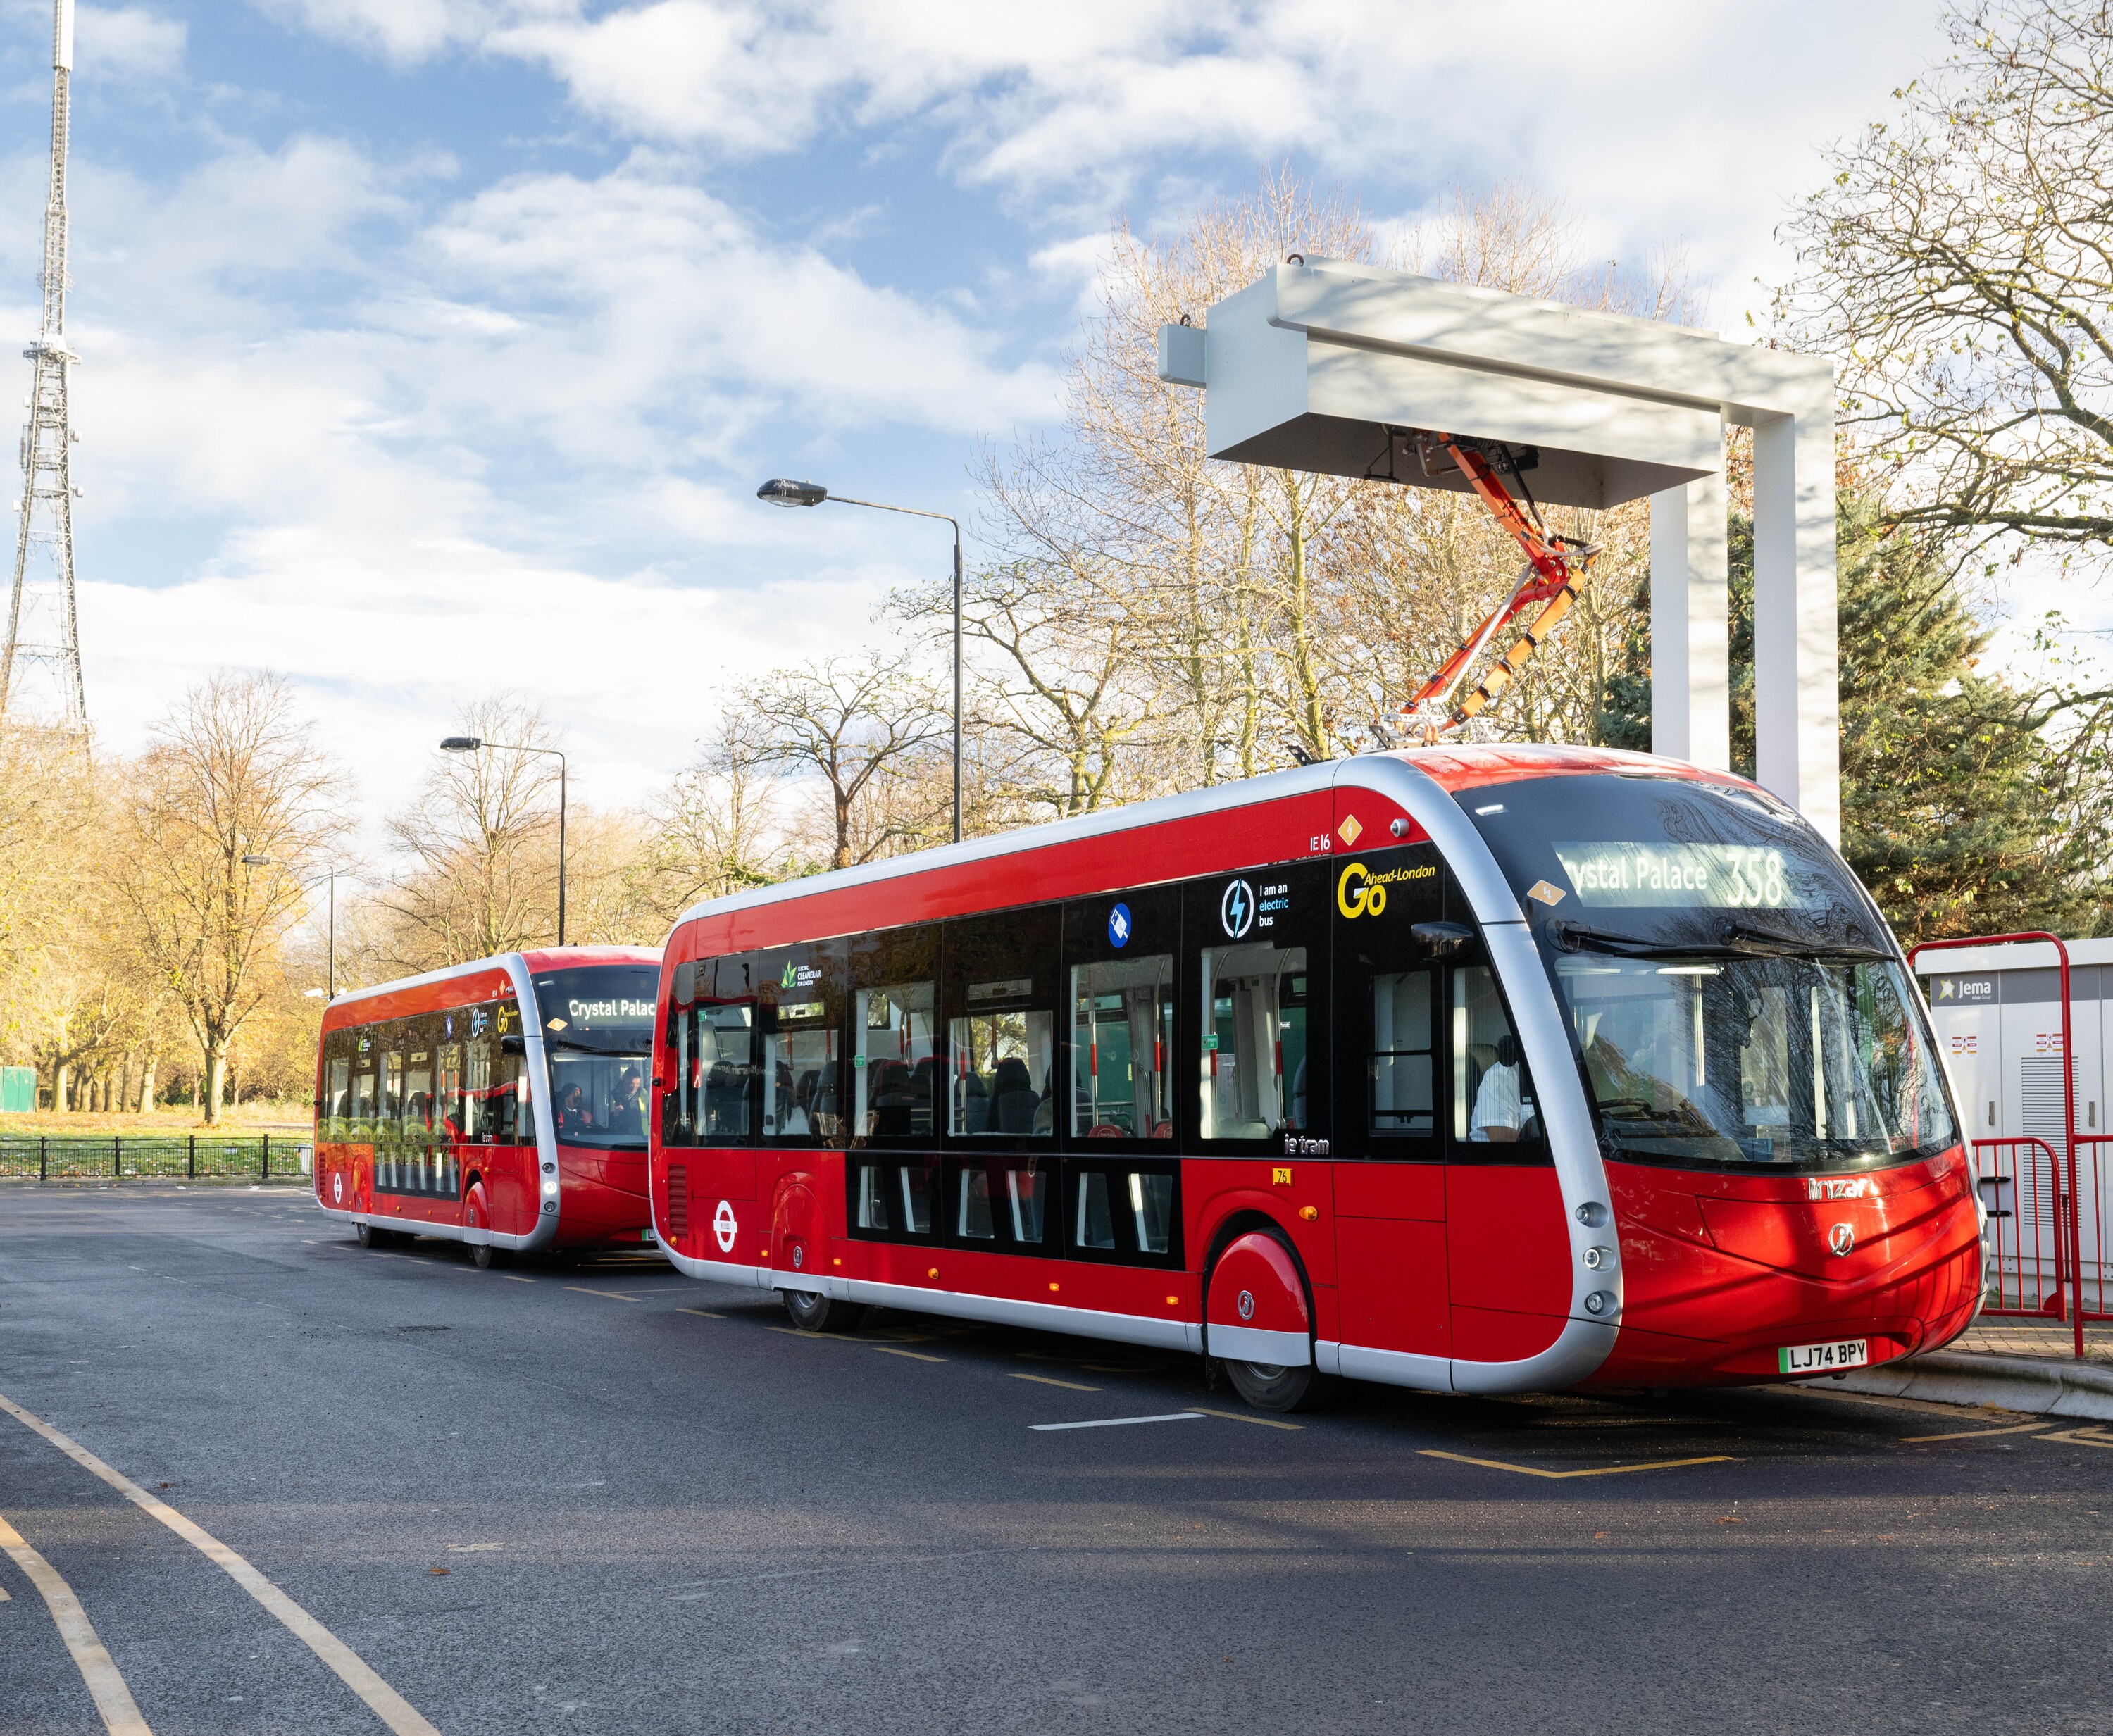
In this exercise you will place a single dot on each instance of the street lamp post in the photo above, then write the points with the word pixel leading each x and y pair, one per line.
pixel 785 491
pixel 471 744
pixel 330 875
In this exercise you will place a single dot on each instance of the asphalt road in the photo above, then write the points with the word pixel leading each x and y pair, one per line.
pixel 597 1496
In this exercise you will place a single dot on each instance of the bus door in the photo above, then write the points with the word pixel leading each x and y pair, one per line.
pixel 1390 1145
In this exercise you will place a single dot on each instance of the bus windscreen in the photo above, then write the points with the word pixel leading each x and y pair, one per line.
pixel 598 1034
pixel 1731 995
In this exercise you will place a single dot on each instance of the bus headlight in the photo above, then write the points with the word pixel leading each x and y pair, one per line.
pixel 1595 1258
pixel 551 1207
pixel 1599 1301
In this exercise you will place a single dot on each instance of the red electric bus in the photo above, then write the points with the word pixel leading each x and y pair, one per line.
pixel 1471 1068
pixel 500 1103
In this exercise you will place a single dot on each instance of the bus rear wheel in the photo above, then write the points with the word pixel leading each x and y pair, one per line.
pixel 1269 1386
pixel 820 1314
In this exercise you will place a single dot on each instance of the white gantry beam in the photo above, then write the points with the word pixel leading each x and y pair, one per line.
pixel 1333 366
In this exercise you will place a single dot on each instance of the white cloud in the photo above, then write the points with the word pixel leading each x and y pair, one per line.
pixel 127 42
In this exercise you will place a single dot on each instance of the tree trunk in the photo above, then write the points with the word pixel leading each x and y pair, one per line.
pixel 216 1084
pixel 61 1084
pixel 147 1087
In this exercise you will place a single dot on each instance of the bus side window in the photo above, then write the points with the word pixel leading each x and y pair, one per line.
pixel 1493 1099
pixel 1387 1012
pixel 892 1038
pixel 337 1085
pixel 1001 998
pixel 1261 951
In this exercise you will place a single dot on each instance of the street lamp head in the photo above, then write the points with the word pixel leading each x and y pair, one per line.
pixel 784 491
pixel 256 861
pixel 460 745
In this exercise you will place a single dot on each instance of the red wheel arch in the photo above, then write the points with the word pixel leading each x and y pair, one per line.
pixel 1256 1309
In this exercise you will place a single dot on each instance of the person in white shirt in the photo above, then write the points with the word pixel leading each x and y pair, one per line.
pixel 1499 1110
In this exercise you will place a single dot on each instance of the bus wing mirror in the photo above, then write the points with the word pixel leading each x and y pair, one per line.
pixel 514 1043
pixel 1442 940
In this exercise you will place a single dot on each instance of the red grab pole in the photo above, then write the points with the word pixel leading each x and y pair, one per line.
pixel 2068 1106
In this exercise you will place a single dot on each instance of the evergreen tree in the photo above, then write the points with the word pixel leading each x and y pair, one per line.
pixel 1969 806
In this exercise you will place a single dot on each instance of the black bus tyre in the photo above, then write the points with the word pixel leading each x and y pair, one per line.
pixel 372 1236
pixel 1267 1386
pixel 820 1314
pixel 487 1257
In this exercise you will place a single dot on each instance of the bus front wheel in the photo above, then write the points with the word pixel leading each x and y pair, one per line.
pixel 372 1236
pixel 485 1256
pixel 820 1314
pixel 1268 1386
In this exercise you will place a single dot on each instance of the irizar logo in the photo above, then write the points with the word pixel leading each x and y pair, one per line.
pixel 1236 910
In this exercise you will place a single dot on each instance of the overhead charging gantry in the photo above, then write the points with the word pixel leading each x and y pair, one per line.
pixel 1552 582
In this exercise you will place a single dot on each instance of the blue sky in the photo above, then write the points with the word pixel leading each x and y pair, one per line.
pixel 433 346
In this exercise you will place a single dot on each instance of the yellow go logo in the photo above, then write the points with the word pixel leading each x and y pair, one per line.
pixel 1355 895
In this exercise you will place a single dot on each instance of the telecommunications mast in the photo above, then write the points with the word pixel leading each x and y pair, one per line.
pixel 40 663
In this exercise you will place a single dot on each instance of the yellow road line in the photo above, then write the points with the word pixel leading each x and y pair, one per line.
pixel 1605 1470
pixel 2087 1436
pixel 705 1312
pixel 614 1295
pixel 889 1350
pixel 112 1698
pixel 1968 1434
pixel 382 1700
pixel 1069 1386
pixel 516 1277
pixel 1243 1416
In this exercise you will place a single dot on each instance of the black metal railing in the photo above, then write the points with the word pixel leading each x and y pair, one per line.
pixel 125 1157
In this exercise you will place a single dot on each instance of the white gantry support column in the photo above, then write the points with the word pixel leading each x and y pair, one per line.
pixel 1690 625
pixel 1797 697
pixel 1336 367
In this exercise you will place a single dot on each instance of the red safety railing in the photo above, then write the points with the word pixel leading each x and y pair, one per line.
pixel 2065 1237
pixel 2020 1182
pixel 2096 1265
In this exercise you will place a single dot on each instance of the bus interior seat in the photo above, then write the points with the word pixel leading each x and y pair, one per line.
pixel 1013 1099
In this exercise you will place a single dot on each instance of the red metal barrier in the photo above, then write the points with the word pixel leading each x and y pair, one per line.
pixel 2067 1249
pixel 2020 1182
pixel 2093 1283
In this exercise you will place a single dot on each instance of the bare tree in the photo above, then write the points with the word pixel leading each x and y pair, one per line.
pixel 1960 260
pixel 857 726
pixel 716 830
pixel 231 773
pixel 481 844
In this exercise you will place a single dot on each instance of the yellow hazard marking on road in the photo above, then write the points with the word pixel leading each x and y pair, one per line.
pixel 889 1350
pixel 1069 1386
pixel 2087 1436
pixel 1602 1471
pixel 1242 1416
pixel 382 1700
pixel 1924 1406
pixel 705 1312
pixel 1968 1434
pixel 614 1295
pixel 105 1687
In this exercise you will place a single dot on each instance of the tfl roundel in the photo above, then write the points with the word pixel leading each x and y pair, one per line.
pixel 1119 926
pixel 1236 910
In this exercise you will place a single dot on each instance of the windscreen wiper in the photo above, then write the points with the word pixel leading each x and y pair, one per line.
pixel 1761 943
pixel 1577 937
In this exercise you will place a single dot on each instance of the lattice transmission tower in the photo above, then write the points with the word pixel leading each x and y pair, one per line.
pixel 40 663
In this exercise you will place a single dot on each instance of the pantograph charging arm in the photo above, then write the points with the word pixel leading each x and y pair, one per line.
pixel 1553 580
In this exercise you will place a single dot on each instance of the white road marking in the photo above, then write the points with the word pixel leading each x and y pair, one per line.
pixel 1119 1422
pixel 112 1698
pixel 385 1703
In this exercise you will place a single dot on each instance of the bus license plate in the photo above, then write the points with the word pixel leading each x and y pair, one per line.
pixel 1806 1358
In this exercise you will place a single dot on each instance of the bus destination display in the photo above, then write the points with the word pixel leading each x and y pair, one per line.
pixel 1709 877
